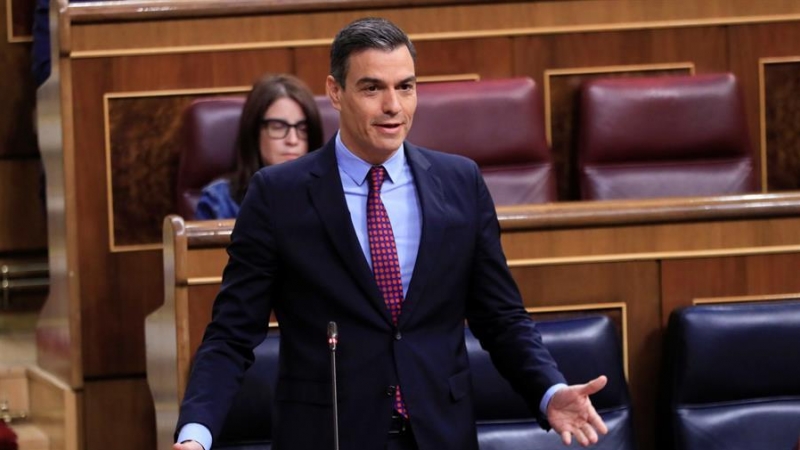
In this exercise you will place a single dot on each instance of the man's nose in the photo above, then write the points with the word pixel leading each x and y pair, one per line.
pixel 391 103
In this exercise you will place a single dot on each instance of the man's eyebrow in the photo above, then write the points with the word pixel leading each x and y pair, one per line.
pixel 369 80
pixel 411 79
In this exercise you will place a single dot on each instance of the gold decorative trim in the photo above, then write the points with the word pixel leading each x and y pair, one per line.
pixel 445 78
pixel 622 306
pixel 762 113
pixel 113 247
pixel 10 26
pixel 548 73
pixel 649 256
pixel 201 281
pixel 745 298
pixel 448 35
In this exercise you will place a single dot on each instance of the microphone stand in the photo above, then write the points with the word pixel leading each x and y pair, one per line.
pixel 333 339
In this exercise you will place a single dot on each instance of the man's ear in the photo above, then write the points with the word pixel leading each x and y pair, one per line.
pixel 334 91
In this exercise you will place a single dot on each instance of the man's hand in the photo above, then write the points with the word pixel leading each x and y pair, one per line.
pixel 187 445
pixel 570 413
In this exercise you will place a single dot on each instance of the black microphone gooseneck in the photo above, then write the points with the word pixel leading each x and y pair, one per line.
pixel 333 339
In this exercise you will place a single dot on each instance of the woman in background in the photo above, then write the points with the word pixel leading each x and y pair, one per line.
pixel 280 122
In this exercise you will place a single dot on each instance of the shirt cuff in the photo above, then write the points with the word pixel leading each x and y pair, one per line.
pixel 547 396
pixel 197 432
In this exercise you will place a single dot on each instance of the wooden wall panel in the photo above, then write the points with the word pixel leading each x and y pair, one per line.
pixel 635 284
pixel 22 214
pixel 20 19
pixel 780 90
pixel 17 89
pixel 686 280
pixel 747 44
pixel 119 289
pixel 488 58
pixel 111 407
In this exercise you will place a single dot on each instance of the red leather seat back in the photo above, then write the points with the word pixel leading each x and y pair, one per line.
pixel 663 137
pixel 497 123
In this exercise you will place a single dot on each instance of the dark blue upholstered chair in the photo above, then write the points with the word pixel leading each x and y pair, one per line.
pixel 733 377
pixel 584 348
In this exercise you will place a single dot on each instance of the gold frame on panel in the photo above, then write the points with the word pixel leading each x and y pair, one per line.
pixel 446 78
pixel 653 256
pixel 548 73
pixel 622 306
pixel 674 15
pixel 762 110
pixel 10 26
pixel 745 299
pixel 113 248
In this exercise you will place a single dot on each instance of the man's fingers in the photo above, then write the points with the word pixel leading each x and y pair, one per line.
pixel 566 437
pixel 596 422
pixel 593 386
pixel 580 437
pixel 591 434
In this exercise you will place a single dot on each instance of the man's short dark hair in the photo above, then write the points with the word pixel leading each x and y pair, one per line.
pixel 364 34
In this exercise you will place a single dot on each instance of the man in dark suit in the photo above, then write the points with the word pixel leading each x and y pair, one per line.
pixel 398 245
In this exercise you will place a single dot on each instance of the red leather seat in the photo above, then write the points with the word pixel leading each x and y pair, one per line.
pixel 497 123
pixel 663 137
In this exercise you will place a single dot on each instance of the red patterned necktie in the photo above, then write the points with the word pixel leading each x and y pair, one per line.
pixel 385 265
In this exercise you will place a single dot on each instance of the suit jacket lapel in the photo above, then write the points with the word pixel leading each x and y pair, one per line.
pixel 327 197
pixel 434 221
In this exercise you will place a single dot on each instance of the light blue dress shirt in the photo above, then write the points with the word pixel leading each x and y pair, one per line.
pixel 399 196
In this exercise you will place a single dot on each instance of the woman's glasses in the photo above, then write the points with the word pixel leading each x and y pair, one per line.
pixel 279 129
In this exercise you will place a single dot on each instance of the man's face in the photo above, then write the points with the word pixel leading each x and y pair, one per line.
pixel 376 106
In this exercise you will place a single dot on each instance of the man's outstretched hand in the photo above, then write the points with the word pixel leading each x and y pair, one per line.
pixel 570 413
pixel 189 445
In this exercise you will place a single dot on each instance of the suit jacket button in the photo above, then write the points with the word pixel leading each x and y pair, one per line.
pixel 398 336
pixel 390 391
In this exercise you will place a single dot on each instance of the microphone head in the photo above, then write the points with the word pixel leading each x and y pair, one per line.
pixel 333 335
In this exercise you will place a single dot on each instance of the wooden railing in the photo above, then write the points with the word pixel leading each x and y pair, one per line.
pixel 634 261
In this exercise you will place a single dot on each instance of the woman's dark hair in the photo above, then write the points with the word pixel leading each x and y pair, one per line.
pixel 369 33
pixel 265 92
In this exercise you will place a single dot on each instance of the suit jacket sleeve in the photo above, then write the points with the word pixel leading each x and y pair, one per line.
pixel 240 315
pixel 497 317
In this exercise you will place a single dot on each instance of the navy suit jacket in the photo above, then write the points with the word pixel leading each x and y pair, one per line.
pixel 294 251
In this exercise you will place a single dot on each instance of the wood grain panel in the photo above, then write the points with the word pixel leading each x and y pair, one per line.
pixel 636 284
pixel 128 402
pixel 145 138
pixel 686 280
pixel 23 227
pixel 781 116
pixel 118 290
pixel 20 20
pixel 746 45
pixel 644 52
pixel 489 58
pixel 17 94
pixel 673 240
pixel 156 29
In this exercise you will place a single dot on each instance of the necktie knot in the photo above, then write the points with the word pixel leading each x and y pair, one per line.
pixel 376 177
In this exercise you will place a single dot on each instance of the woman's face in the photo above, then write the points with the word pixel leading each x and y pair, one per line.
pixel 284 132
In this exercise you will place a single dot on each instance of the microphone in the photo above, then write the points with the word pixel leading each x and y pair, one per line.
pixel 333 340
pixel 333 335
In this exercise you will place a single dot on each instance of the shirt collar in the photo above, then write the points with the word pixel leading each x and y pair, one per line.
pixel 357 169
